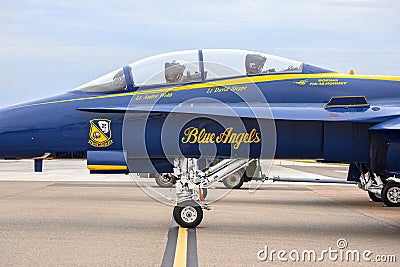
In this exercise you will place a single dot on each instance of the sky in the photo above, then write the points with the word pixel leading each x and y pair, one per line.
pixel 49 47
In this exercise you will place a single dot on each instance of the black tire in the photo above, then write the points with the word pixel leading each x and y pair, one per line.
pixel 391 194
pixel 163 180
pixel 188 214
pixel 234 181
pixel 374 197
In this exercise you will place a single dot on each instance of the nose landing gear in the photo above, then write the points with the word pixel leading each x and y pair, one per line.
pixel 192 183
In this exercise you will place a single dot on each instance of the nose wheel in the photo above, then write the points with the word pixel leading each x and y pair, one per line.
pixel 188 214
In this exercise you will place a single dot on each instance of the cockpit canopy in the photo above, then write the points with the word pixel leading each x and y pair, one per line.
pixel 191 66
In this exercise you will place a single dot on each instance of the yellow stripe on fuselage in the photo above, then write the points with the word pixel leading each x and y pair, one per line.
pixel 227 82
pixel 181 248
pixel 107 167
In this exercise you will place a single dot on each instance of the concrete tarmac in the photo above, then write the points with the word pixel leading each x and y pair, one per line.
pixel 66 217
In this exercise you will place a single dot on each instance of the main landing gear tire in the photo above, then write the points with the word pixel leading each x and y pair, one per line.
pixel 391 194
pixel 163 180
pixel 374 197
pixel 188 214
pixel 234 181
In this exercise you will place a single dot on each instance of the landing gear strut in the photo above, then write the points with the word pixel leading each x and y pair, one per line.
pixel 373 185
pixel 389 192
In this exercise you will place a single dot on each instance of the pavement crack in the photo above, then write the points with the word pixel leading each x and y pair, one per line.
pixel 359 211
pixel 25 191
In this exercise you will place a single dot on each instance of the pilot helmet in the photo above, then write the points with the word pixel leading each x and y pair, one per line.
pixel 254 63
pixel 174 72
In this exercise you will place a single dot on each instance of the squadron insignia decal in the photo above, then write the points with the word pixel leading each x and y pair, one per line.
pixel 100 133
pixel 301 82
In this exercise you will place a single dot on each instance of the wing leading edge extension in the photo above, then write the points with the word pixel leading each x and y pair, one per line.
pixel 310 112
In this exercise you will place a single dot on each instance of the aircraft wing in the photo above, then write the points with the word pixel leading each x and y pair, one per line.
pixel 393 124
pixel 284 111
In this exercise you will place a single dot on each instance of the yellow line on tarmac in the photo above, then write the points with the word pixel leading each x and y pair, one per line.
pixel 181 248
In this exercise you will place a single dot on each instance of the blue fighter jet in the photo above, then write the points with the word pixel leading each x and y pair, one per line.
pixel 174 113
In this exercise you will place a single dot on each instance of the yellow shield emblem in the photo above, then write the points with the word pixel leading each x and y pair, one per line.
pixel 100 133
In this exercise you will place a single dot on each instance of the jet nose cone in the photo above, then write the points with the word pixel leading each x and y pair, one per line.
pixel 6 141
pixel 14 133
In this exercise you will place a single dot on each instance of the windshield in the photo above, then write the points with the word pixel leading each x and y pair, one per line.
pixel 190 66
